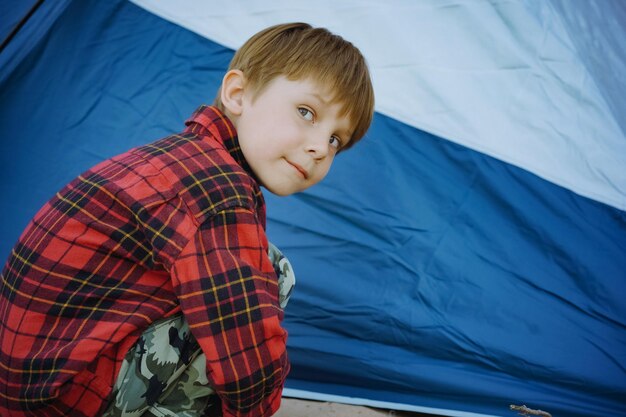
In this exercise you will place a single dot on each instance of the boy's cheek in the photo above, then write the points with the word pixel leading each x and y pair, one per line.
pixel 323 174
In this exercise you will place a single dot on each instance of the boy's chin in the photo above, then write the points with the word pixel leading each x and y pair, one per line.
pixel 282 193
pixel 281 190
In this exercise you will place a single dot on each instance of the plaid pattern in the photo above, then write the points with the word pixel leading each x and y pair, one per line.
pixel 177 225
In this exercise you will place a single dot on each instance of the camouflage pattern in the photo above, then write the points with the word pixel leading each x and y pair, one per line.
pixel 284 271
pixel 164 374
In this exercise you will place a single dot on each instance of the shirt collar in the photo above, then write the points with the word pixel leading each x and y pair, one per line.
pixel 211 121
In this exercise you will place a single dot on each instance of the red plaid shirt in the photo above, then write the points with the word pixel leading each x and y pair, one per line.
pixel 175 225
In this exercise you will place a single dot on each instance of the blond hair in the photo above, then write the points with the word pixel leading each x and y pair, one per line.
pixel 299 51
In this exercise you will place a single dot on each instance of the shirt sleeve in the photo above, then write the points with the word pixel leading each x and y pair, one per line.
pixel 228 292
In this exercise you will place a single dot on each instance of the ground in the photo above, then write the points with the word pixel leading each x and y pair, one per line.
pixel 291 407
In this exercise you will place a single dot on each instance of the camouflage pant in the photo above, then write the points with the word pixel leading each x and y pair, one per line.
pixel 164 374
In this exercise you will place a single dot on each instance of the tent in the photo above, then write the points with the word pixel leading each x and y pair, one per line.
pixel 469 254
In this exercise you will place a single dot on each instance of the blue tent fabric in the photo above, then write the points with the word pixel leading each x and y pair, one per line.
pixel 12 13
pixel 90 89
pixel 35 19
pixel 429 274
pixel 409 302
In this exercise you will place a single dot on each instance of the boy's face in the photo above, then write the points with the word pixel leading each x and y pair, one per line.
pixel 290 133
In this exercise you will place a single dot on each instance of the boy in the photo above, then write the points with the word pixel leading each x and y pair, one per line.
pixel 145 286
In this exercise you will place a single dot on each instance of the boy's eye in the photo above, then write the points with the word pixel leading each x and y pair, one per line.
pixel 335 142
pixel 306 113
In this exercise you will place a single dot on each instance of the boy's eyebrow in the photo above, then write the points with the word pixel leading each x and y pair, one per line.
pixel 320 98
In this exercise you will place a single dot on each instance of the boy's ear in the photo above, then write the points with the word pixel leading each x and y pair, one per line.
pixel 231 92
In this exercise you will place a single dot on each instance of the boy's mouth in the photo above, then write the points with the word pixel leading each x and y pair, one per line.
pixel 302 171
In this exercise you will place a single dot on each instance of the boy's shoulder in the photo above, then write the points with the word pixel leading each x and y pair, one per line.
pixel 201 169
pixel 199 166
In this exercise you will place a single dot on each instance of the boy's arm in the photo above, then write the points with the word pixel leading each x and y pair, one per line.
pixel 228 293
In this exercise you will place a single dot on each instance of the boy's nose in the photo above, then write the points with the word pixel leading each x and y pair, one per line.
pixel 317 147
